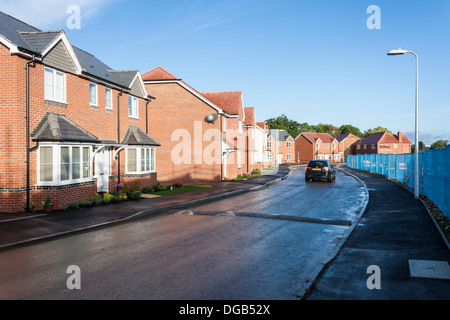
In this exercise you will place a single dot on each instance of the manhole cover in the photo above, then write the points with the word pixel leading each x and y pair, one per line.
pixel 429 269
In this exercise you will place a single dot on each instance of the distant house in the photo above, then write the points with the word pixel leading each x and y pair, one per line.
pixel 282 147
pixel 347 144
pixel 311 145
pixel 384 142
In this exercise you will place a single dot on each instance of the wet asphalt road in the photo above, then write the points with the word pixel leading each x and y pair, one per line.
pixel 256 246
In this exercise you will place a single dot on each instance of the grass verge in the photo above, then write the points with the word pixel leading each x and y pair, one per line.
pixel 179 190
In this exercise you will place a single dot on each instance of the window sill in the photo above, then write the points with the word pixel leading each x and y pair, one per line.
pixel 63 183
pixel 133 118
pixel 55 103
pixel 146 173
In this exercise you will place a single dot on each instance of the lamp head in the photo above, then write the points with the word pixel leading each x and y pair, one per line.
pixel 398 52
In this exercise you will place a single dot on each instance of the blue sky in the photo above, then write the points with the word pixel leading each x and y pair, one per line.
pixel 314 61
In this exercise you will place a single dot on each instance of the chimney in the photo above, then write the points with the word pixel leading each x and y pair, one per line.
pixel 400 136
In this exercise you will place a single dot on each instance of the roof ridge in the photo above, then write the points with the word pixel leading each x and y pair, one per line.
pixel 235 91
pixel 162 69
pixel 40 32
pixel 124 70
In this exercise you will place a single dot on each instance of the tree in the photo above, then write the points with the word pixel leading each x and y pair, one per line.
pixel 374 130
pixel 290 126
pixel 327 128
pixel 439 144
pixel 348 128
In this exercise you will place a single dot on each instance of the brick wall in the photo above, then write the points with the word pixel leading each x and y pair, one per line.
pixel 177 120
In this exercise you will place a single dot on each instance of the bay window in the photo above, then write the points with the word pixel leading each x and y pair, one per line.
pixel 64 164
pixel 140 160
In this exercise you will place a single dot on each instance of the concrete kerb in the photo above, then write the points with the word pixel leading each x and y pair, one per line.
pixel 312 278
pixel 140 214
pixel 267 184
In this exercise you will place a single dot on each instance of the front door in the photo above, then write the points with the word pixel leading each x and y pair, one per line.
pixel 102 170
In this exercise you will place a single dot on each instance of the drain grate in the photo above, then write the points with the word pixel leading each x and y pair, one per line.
pixel 429 269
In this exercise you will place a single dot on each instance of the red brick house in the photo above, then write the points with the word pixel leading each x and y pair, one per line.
pixel 66 116
pixel 317 146
pixel 235 135
pixel 192 146
pixel 347 144
pixel 282 147
pixel 384 142
pixel 195 148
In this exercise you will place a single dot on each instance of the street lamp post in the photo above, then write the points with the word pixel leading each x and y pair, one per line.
pixel 416 148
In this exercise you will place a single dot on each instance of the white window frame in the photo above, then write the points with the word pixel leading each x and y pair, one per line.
pixel 56 164
pixel 318 145
pixel 288 144
pixel 133 108
pixel 151 156
pixel 96 94
pixel 53 93
pixel 269 144
pixel 240 127
pixel 288 156
pixel 106 94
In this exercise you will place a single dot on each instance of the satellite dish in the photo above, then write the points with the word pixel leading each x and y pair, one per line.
pixel 211 117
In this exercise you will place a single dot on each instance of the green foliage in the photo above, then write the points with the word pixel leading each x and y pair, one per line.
pixel 136 186
pixel 439 144
pixel 125 189
pixel 292 127
pixel 348 128
pixel 47 202
pixel 374 130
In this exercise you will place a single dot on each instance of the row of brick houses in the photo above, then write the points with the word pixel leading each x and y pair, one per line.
pixel 72 126
pixel 310 145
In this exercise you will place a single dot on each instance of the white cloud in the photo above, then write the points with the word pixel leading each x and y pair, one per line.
pixel 50 14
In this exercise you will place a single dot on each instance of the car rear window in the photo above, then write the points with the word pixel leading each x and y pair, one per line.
pixel 317 164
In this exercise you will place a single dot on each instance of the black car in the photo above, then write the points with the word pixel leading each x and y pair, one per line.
pixel 320 169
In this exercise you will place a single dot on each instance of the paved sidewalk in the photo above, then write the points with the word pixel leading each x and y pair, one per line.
pixel 396 234
pixel 26 229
